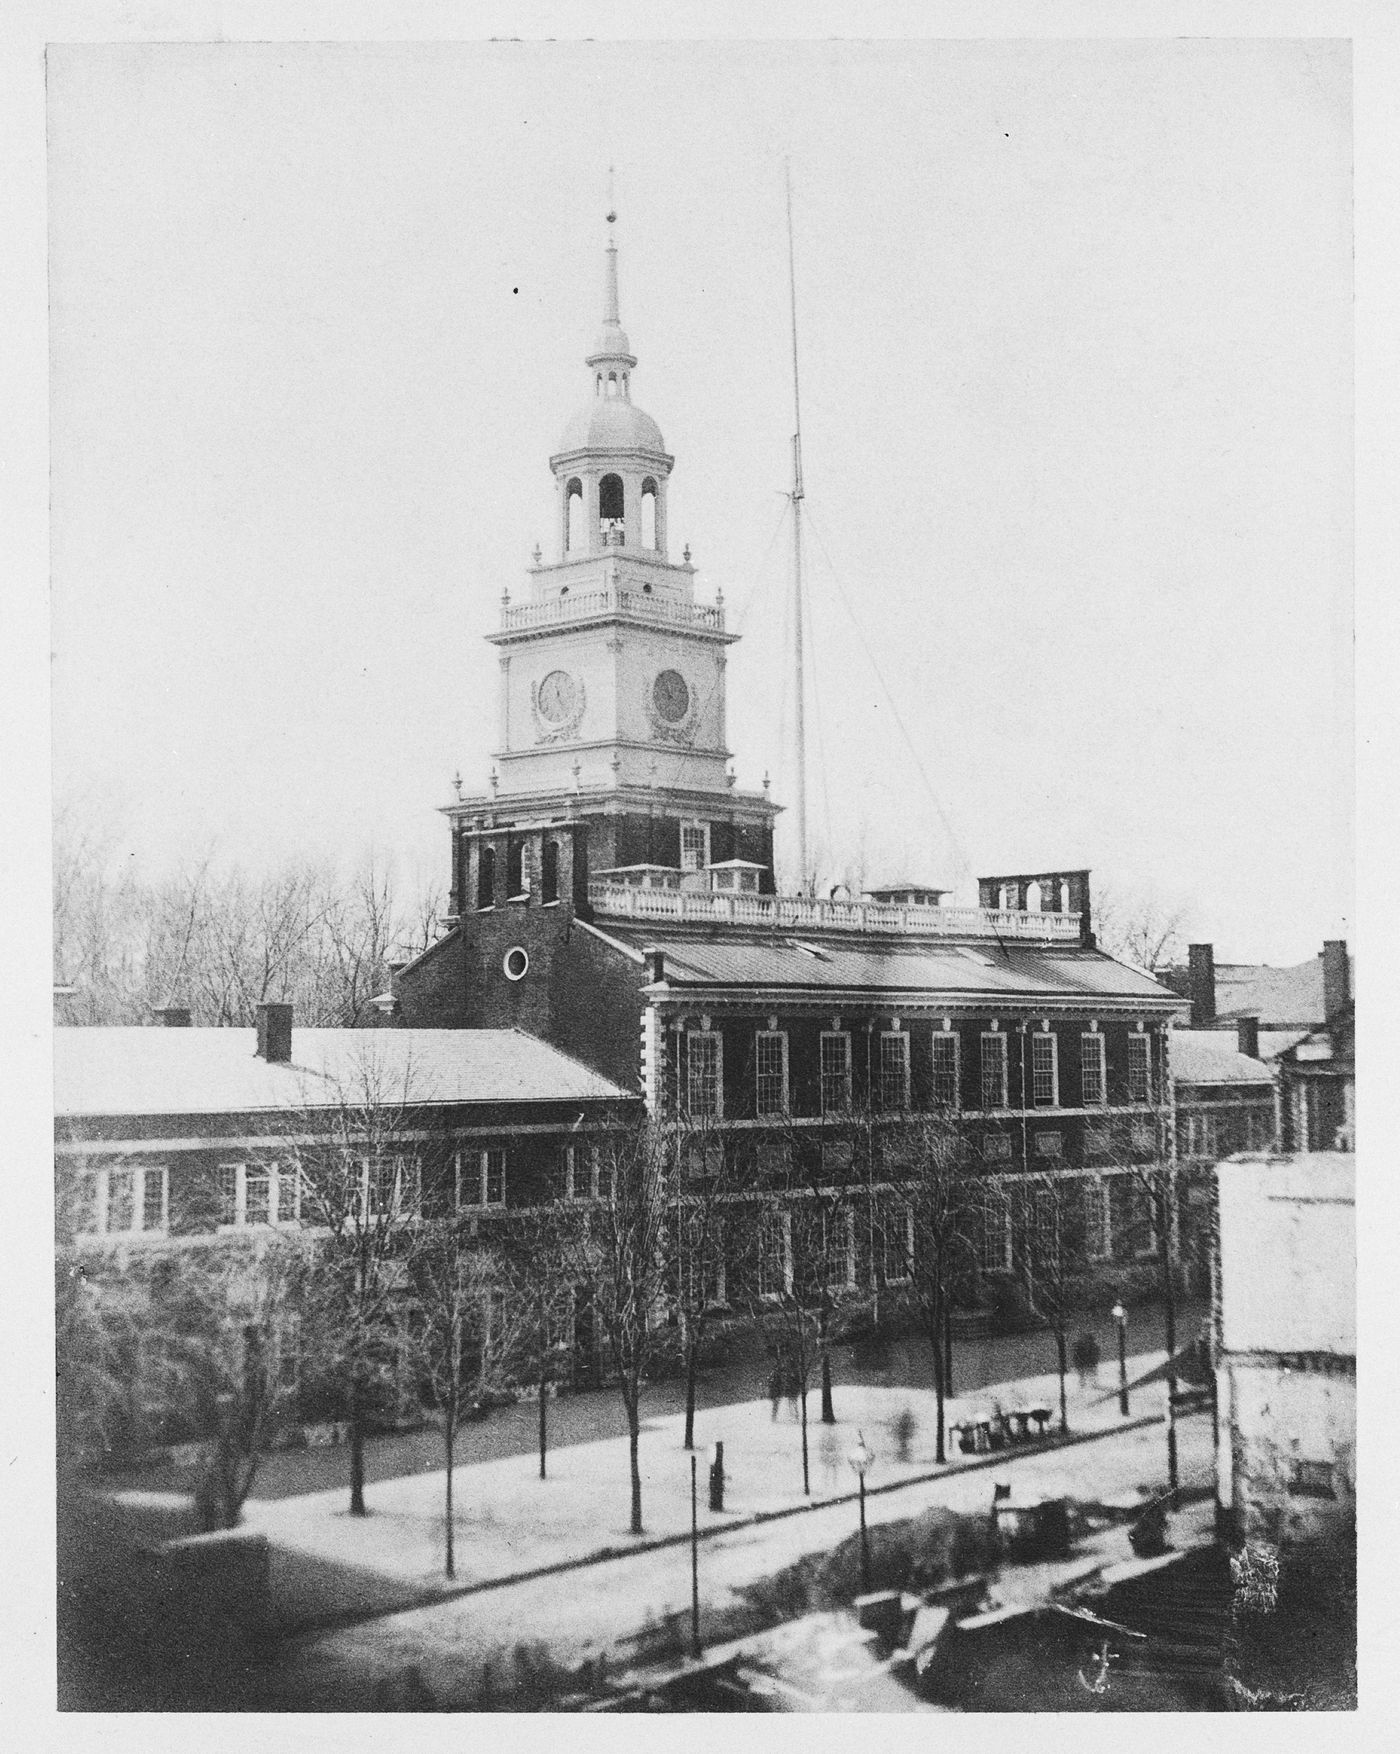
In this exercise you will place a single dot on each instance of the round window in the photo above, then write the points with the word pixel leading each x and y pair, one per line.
pixel 516 963
pixel 670 695
pixel 558 696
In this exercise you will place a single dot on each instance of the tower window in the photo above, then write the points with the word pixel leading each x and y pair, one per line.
pixel 517 869
pixel 549 872
pixel 648 513
pixel 573 515
pixel 612 383
pixel 486 878
pixel 610 507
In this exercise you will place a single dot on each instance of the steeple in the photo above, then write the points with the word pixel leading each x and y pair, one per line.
pixel 612 359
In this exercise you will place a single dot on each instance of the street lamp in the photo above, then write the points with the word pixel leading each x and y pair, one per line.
pixel 1120 1316
pixel 862 1459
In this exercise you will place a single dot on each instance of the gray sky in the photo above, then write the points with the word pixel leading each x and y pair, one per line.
pixel 1076 348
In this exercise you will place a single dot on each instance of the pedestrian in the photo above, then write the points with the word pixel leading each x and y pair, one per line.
pixel 775 1386
pixel 1086 1359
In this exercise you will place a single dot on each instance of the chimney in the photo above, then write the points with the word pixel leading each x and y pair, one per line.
pixel 172 1016
pixel 1336 977
pixel 1201 959
pixel 275 1033
pixel 1248 1031
pixel 656 965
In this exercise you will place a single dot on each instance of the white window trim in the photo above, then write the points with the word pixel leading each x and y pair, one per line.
pixel 906 1254
pixel 1046 1035
pixel 138 1226
pixel 947 1035
pixel 693 823
pixel 1055 1156
pixel 1146 1096
pixel 1099 1220
pixel 844 1105
pixel 784 1220
pixel 707 1035
pixel 989 1035
pixel 1095 1039
pixel 996 1206
pixel 470 1172
pixel 901 1036
pixel 780 1036
pixel 280 1182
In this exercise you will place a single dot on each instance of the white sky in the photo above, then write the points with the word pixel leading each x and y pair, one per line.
pixel 1076 348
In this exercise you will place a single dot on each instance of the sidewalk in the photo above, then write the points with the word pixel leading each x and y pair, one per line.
pixel 509 1523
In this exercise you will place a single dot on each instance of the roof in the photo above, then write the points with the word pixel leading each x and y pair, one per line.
pixel 897 967
pixel 1278 997
pixel 217 1071
pixel 1211 1056
pixel 611 423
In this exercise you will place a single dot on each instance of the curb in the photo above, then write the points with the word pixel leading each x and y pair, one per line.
pixel 658 1543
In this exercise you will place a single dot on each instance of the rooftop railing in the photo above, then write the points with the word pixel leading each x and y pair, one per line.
pixel 798 913
pixel 612 600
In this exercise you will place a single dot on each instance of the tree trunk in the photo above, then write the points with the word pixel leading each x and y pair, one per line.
pixel 357 1450
pixel 544 1424
pixel 806 1468
pixel 1169 1300
pixel 633 1438
pixel 1062 1361
pixel 940 1390
pixel 947 1351
pixel 692 1365
pixel 449 1437
pixel 823 1341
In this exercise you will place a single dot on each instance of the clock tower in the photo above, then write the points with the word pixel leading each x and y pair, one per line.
pixel 611 701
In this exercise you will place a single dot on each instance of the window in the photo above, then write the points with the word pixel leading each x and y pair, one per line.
pixel 771 1072
pixel 1049 1145
pixel 1091 1069
pixel 1043 1229
pixel 894 1071
pixel 1098 1222
pixel 1045 1071
pixel 704 1160
pixel 703 1067
pixel 610 497
pixel 945 1070
pixel 125 1202
pixel 1200 1136
pixel 996 1148
pixel 648 513
pixel 257 1193
pixel 833 1239
pixel 493 1178
pixel 1098 1142
pixel 695 846
pixel 486 878
pixel 549 872
pixel 1259 1133
pixel 586 1173
pixel 481 1178
pixel 567 1173
pixel 517 868
pixel 1143 1136
pixel 995 1256
pixel 1139 1068
pixel 573 517
pixel 993 1069
pixel 601 1173
pixel 896 1241
pixel 835 1071
pixel 773 1255
pixel 230 1179
pixel 1139 1215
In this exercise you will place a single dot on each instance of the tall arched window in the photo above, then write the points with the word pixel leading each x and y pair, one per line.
pixel 517 868
pixel 486 878
pixel 573 522
pixel 612 383
pixel 610 507
pixel 648 513
pixel 549 872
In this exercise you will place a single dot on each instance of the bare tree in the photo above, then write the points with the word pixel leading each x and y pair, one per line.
pixel 616 1249
pixel 925 1230
pixel 468 1336
pixel 359 1161
pixel 1052 1224
pixel 705 1240
pixel 1139 926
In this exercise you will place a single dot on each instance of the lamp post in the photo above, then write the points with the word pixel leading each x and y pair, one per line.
pixel 862 1459
pixel 1120 1316
pixel 694 1564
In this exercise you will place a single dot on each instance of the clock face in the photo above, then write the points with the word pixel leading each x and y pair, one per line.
pixel 670 695
pixel 558 696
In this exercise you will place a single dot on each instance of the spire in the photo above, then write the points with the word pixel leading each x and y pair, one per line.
pixel 612 347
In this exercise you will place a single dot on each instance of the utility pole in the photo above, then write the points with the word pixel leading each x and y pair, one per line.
pixel 799 704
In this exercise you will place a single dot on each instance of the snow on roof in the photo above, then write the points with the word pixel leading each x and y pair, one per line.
pixel 1278 997
pixel 217 1071
pixel 1212 1056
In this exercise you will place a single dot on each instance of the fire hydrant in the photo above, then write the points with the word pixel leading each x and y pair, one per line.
pixel 717 1477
